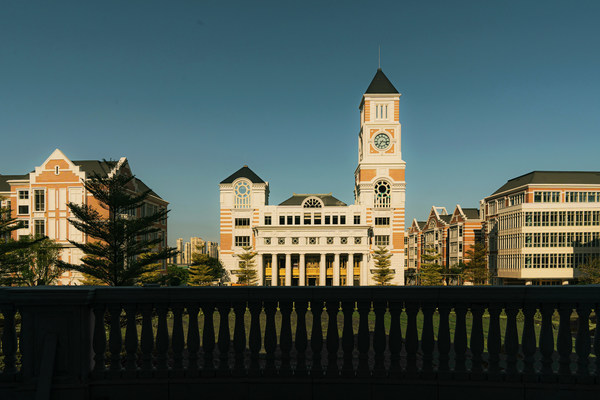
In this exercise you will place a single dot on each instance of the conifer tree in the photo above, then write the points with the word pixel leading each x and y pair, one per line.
pixel 430 273
pixel 476 270
pixel 382 273
pixel 120 250
pixel 246 274
pixel 589 271
pixel 205 270
pixel 37 262
pixel 9 261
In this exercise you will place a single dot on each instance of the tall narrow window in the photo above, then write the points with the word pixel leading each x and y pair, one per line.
pixel 382 194
pixel 39 200
pixel 39 227
pixel 242 194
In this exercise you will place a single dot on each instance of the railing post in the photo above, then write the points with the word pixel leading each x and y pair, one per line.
pixel 564 342
pixel 379 308
pixel 224 338
pixel 255 339
pixel 476 343
pixel 494 341
pixel 582 343
pixel 412 339
pixel 529 343
pixel 115 342
pixel 239 338
pixel 511 341
pixel 364 338
pixel 333 338
pixel 270 338
pixel 301 340
pixel 177 341
pixel 131 341
pixel 208 340
pixel 547 342
pixel 193 340
pixel 395 338
pixel 162 340
pixel 460 341
pixel 9 341
pixel 316 338
pixel 147 341
pixel 99 342
pixel 285 337
pixel 427 339
pixel 348 338
pixel 444 340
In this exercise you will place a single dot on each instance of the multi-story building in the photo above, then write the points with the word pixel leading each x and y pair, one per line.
pixel 435 233
pixel 415 237
pixel 316 239
pixel 464 231
pixel 39 199
pixel 196 245
pixel 540 226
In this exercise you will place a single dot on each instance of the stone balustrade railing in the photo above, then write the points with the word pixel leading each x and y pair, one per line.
pixel 83 337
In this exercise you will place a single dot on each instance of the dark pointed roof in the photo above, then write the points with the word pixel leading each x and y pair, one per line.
pixel 90 167
pixel 243 172
pixel 552 177
pixel 381 84
pixel 4 186
pixel 471 213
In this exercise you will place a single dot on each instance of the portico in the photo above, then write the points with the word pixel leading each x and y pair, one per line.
pixel 312 269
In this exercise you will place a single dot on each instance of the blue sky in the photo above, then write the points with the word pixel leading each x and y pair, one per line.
pixel 190 91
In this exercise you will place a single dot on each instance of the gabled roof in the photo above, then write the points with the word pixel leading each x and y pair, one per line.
pixel 4 186
pixel 471 213
pixel 91 167
pixel 421 224
pixel 381 84
pixel 446 218
pixel 143 187
pixel 552 177
pixel 327 199
pixel 243 172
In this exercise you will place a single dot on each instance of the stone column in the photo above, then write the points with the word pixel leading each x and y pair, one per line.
pixel 288 269
pixel 274 270
pixel 350 270
pixel 302 270
pixel 336 269
pixel 322 271
pixel 364 270
pixel 261 270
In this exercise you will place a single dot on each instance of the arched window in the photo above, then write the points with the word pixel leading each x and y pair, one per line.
pixel 312 203
pixel 382 194
pixel 242 194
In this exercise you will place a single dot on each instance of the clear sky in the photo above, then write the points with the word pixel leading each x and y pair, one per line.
pixel 190 91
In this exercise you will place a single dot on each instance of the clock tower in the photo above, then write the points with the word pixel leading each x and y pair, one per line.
pixel 379 177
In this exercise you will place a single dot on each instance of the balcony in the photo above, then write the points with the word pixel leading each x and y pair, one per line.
pixel 299 342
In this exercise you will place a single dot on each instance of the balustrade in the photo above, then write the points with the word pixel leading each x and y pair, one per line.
pixel 514 334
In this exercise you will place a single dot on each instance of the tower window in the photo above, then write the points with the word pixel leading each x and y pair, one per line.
pixel 242 194
pixel 382 194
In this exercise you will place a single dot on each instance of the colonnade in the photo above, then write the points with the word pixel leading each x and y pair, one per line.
pixel 311 269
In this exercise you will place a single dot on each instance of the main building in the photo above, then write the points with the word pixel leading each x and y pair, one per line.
pixel 316 239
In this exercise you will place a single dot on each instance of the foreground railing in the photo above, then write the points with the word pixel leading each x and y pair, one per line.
pixel 93 336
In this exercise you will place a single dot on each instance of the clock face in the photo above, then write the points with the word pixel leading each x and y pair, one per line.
pixel 382 141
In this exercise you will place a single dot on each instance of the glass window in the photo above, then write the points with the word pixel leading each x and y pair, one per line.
pixel 23 210
pixel 307 219
pixel 342 220
pixel 317 219
pixel 382 240
pixel 281 220
pixel 382 194
pixel 242 241
pixel 327 219
pixel 242 222
pixel 357 220
pixel 39 200
pixel 382 221
pixel 23 194
pixel 242 194
pixel 296 220
pixel 290 219
pixel 39 227
pixel 267 220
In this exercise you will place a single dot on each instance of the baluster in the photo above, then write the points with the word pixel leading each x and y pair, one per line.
pixel 131 341
pixel 270 338
pixel 529 343
pixel 333 338
pixel 255 339
pixel 597 343
pixel 395 338
pixel 177 341
pixel 476 344
pixel 285 337
pixel 582 343
pixel 115 343
pixel 364 338
pixel 411 341
pixel 316 338
pixel 224 338
pixel 162 341
pixel 193 340
pixel 444 341
pixel 564 342
pixel 427 339
pixel 494 342
pixel 301 342
pixel 460 341
pixel 239 338
pixel 147 341
pixel 98 343
pixel 9 341
pixel 208 340
pixel 511 341
pixel 547 342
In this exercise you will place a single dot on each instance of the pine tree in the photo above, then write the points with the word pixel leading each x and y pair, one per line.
pixel 120 252
pixel 205 270
pixel 430 273
pixel 476 270
pixel 246 274
pixel 382 274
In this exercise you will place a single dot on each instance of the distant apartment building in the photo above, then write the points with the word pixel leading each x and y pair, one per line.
pixel 540 226
pixel 447 236
pixel 39 199
pixel 196 245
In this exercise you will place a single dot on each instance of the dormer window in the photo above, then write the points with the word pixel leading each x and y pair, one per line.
pixel 312 202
